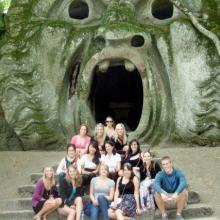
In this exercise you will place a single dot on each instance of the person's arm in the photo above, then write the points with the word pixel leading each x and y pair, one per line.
pixel 61 167
pixel 116 193
pixel 182 182
pixel 111 192
pixel 118 163
pixel 157 186
pixel 97 169
pixel 38 191
pixel 82 164
pixel 91 193
pixel 157 183
pixel 136 194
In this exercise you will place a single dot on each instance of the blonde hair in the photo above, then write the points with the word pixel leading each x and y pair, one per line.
pixel 104 132
pixel 77 178
pixel 116 133
pixel 105 166
pixel 48 183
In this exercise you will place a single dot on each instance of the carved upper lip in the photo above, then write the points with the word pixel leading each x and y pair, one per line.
pixel 130 58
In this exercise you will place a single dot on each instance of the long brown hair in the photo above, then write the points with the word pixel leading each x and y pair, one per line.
pixel 152 163
pixel 48 183
pixel 78 177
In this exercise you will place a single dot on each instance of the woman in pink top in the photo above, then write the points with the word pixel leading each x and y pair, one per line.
pixel 81 140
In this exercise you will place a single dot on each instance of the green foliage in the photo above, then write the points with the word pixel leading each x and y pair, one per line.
pixel 4 5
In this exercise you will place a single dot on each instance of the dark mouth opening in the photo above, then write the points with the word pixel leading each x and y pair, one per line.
pixel 117 93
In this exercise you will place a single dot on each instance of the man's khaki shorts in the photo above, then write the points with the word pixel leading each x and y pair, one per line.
pixel 171 204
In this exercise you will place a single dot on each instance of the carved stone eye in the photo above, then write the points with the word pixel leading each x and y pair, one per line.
pixel 78 10
pixel 162 9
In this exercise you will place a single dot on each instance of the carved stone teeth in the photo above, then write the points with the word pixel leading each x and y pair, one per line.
pixel 129 66
pixel 103 66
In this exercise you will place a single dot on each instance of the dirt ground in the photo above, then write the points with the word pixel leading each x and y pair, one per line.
pixel 201 166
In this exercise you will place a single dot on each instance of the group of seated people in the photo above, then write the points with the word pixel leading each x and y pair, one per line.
pixel 123 181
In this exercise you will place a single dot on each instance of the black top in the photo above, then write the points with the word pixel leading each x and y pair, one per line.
pixel 65 191
pixel 154 169
pixel 119 146
pixel 127 188
pixel 134 162
pixel 103 145
pixel 52 192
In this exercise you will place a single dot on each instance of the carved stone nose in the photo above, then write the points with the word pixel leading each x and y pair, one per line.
pixel 137 40
pixel 115 39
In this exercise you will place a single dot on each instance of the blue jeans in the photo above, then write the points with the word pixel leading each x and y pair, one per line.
pixel 102 208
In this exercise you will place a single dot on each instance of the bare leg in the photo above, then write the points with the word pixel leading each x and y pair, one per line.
pixel 160 203
pixel 67 211
pixel 119 214
pixel 181 201
pixel 49 206
pixel 79 206
pixel 57 202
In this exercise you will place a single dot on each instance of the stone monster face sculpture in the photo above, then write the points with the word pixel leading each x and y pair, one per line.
pixel 148 63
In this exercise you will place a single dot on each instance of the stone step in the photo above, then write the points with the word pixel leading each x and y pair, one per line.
pixel 25 215
pixel 192 211
pixel 18 204
pixel 25 190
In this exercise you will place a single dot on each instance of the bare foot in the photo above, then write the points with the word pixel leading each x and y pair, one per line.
pixel 37 217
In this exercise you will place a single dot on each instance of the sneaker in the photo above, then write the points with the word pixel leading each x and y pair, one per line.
pixel 179 217
pixel 164 217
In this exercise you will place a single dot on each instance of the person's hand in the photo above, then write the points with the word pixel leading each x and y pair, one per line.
pixel 120 173
pixel 174 196
pixel 138 211
pixel 125 148
pixel 114 206
pixel 73 206
pixel 95 202
pixel 164 197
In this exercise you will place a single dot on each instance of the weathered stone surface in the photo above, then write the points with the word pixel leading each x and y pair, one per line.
pixel 49 69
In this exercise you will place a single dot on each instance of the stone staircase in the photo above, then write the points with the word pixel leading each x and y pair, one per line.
pixel 20 208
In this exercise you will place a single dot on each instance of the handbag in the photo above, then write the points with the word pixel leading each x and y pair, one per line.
pixel 119 199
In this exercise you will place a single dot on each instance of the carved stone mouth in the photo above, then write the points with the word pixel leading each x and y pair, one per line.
pixel 116 90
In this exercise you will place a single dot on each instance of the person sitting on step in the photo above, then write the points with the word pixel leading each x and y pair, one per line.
pixel 120 140
pixel 133 157
pixel 170 189
pixel 100 136
pixel 148 171
pixel 109 127
pixel 81 140
pixel 45 196
pixel 126 202
pixel 112 160
pixel 101 193
pixel 70 159
pixel 89 163
pixel 71 194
